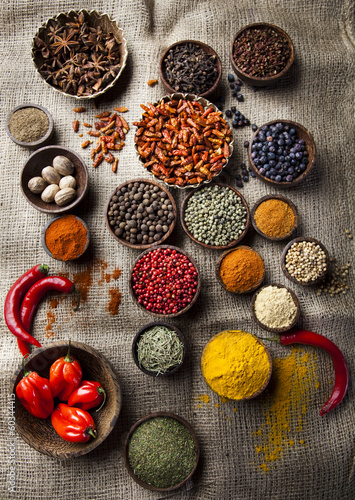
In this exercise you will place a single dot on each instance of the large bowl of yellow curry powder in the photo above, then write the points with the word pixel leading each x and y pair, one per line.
pixel 236 365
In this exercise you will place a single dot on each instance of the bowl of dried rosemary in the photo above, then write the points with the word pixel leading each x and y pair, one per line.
pixel 80 54
pixel 159 349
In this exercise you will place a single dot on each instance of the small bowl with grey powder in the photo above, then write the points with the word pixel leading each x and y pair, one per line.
pixel 305 261
pixel 275 308
pixel 215 216
pixel 30 125
pixel 141 213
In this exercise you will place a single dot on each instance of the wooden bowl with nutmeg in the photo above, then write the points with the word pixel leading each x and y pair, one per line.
pixel 54 180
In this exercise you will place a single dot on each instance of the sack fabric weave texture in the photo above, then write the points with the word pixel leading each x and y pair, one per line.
pixel 250 450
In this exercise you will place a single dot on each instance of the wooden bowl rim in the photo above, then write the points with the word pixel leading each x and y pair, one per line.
pixel 263 387
pixel 138 335
pixel 198 288
pixel 295 300
pixel 145 419
pixel 277 197
pixel 54 210
pixel 92 444
pixel 283 261
pixel 207 49
pixel 269 80
pixel 97 16
pixel 171 226
pixel 40 141
pixel 215 247
pixel 224 254
pixel 46 226
pixel 310 145
pixel 205 103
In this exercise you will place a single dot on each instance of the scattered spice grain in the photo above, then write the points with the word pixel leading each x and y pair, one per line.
pixel 274 218
pixel 28 124
pixel 76 125
pixel 80 109
pixel 241 270
pixel 152 82
pixel 162 452
pixel 337 280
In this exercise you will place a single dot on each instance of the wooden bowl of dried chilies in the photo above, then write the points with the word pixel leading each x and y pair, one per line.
pixel 80 54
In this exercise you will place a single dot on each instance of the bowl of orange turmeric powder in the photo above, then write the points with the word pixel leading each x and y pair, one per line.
pixel 274 217
pixel 65 237
pixel 240 270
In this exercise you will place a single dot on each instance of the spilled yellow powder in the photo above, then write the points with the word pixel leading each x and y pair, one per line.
pixel 204 398
pixel 216 405
pixel 294 378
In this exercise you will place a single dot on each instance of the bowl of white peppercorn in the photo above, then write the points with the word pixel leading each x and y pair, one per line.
pixel 141 213
pixel 275 308
pixel 305 261
pixel 215 216
pixel 54 180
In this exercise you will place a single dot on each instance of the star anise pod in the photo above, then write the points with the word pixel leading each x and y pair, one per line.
pixel 65 42
pixel 94 43
pixel 97 64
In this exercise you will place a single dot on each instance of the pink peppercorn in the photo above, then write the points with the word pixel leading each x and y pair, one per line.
pixel 164 281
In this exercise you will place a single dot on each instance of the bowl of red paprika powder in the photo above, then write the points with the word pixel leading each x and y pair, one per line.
pixel 165 281
pixel 38 432
pixel 65 237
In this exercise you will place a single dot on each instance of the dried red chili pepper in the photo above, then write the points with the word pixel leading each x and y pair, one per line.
pixel 65 376
pixel 298 336
pixel 89 395
pixel 73 424
pixel 35 393
pixel 13 301
pixel 34 296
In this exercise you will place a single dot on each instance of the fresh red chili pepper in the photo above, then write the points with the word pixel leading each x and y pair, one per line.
pixel 89 395
pixel 73 424
pixel 297 336
pixel 35 394
pixel 34 296
pixel 65 376
pixel 13 301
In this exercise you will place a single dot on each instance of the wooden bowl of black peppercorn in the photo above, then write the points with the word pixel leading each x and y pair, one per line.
pixel 141 213
pixel 282 153
pixel 261 54
pixel 190 66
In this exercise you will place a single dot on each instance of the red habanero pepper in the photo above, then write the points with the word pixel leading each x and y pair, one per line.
pixel 65 376
pixel 35 394
pixel 298 336
pixel 34 296
pixel 13 302
pixel 73 424
pixel 89 395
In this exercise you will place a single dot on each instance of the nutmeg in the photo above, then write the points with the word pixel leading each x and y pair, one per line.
pixel 36 185
pixel 65 196
pixel 67 182
pixel 50 175
pixel 49 193
pixel 63 165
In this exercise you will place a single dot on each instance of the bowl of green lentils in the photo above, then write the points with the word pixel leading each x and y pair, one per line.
pixel 215 216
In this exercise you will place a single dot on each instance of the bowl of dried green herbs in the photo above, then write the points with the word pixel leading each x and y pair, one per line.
pixel 161 451
pixel 80 54
pixel 159 349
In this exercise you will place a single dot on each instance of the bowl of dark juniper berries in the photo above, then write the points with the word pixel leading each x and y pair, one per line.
pixel 215 216
pixel 141 213
pixel 282 153
pixel 261 54
pixel 190 66
pixel 165 281
pixel 80 54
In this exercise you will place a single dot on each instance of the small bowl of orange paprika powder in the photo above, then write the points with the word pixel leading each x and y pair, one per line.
pixel 65 237
pixel 240 270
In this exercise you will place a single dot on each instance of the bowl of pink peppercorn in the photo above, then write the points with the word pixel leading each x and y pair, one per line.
pixel 165 281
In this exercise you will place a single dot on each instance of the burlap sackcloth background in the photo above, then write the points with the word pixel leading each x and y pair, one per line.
pixel 315 459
